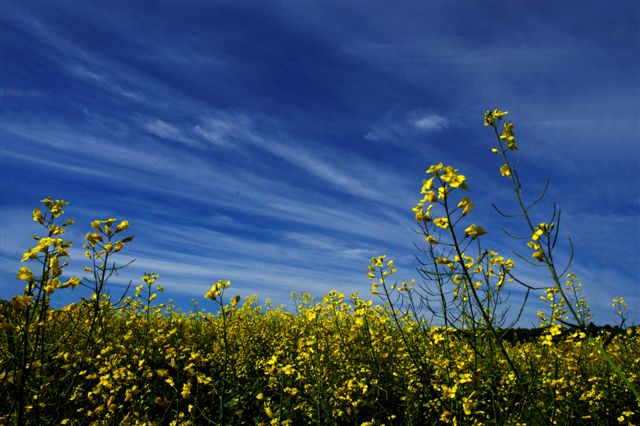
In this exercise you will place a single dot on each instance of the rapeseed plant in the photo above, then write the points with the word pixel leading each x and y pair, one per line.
pixel 433 352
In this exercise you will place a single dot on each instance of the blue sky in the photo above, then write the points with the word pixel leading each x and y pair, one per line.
pixel 282 144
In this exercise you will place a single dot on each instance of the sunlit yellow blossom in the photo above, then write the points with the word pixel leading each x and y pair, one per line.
pixel 508 136
pixel 537 234
pixel 93 238
pixel 56 230
pixel 427 184
pixel 490 117
pixel 71 282
pixel 430 239
pixel 505 170
pixel 555 330
pixel 540 230
pixel 474 231
pixel 122 226
pixel 54 266
pixel 539 255
pixel 51 285
pixel 55 207
pixel 435 169
pixel 96 225
pixel 500 280
pixel 533 245
pixel 25 274
pixel 429 197
pixel 441 222
pixel 443 192
pixel 377 261
pixel 454 179
pixel 466 205
pixel 217 289
pixel 29 254
pixel 37 216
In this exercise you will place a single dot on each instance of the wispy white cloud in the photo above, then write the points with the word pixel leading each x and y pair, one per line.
pixel 431 122
pixel 86 73
pixel 226 129
pixel 396 126
pixel 168 131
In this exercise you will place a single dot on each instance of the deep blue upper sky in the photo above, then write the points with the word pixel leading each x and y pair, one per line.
pixel 282 144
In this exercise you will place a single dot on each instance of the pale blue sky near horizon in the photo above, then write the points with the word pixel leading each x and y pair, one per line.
pixel 281 145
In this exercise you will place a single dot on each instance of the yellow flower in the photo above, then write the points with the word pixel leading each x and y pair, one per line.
pixel 71 282
pixel 51 285
pixel 490 117
pixel 466 205
pixel 96 225
pixel 54 267
pixel 555 330
pixel 122 226
pixel 474 231
pixel 429 196
pixel 539 255
pixel 29 254
pixel 508 136
pixel 533 245
pixel 452 177
pixel 441 222
pixel 467 403
pixel 93 238
pixel 435 169
pixel 25 274
pixel 186 390
pixel 541 229
pixel 431 240
pixel 505 170
pixel 427 184
pixel 443 192
pixel 37 216
pixel 55 207
pixel 217 289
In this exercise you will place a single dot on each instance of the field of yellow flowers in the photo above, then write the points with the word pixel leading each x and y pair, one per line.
pixel 341 360
pixel 333 362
